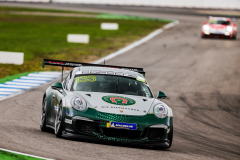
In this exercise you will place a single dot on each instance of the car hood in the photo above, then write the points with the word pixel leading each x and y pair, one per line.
pixel 117 103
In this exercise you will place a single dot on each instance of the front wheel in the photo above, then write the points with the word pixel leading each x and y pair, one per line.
pixel 170 137
pixel 43 116
pixel 58 122
pixel 234 37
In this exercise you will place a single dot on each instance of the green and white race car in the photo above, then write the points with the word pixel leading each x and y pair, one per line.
pixel 106 102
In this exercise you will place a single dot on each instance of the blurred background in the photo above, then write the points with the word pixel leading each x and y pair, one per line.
pixel 41 33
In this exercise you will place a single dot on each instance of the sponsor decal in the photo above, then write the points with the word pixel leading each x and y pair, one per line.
pixel 54 62
pixel 68 113
pixel 112 67
pixel 119 100
pixel 120 125
pixel 168 123
pixel 141 79
pixel 90 78
pixel 68 121
pixel 73 64
pixel 64 63
pixel 122 108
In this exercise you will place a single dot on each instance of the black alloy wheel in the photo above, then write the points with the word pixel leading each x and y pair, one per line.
pixel 234 37
pixel 58 122
pixel 170 137
pixel 43 116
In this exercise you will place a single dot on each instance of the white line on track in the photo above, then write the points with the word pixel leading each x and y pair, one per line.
pixel 14 86
pixel 6 92
pixel 24 84
pixel 10 90
pixel 24 154
pixel 37 78
pixel 57 73
pixel 137 43
pixel 42 75
pixel 28 81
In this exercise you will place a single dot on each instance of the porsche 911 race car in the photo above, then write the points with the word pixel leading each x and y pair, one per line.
pixel 219 27
pixel 113 103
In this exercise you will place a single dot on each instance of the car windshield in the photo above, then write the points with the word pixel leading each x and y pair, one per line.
pixel 219 22
pixel 111 84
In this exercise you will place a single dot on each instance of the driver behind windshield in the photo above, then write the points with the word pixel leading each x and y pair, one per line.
pixel 123 87
pixel 222 22
pixel 110 84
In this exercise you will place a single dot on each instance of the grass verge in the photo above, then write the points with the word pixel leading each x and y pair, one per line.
pixel 46 37
pixel 25 9
pixel 13 156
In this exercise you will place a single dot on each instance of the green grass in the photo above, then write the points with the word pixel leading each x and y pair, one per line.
pixel 12 156
pixel 6 9
pixel 46 37
pixel 127 17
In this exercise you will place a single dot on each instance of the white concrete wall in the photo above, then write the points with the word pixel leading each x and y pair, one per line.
pixel 223 4
pixel 42 1
pixel 215 4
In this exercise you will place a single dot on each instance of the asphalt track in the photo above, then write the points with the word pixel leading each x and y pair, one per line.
pixel 200 76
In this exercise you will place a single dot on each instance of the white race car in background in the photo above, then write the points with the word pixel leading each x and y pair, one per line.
pixel 219 27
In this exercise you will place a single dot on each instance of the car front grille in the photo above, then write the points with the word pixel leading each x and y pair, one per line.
pixel 121 133
pixel 156 133
pixel 85 126
pixel 116 117
pixel 217 35
pixel 113 117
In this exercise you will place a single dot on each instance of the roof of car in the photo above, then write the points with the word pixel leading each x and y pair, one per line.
pixel 219 18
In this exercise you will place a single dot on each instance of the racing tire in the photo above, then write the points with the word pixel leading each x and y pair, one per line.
pixel 58 122
pixel 43 116
pixel 170 137
pixel 234 37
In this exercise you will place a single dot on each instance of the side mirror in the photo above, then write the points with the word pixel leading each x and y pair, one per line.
pixel 58 86
pixel 204 22
pixel 161 95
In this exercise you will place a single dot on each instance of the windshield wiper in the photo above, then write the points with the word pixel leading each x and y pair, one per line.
pixel 116 86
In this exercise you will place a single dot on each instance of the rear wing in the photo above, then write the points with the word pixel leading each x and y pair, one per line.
pixel 77 64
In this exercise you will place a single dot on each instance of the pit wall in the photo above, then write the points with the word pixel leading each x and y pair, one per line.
pixel 206 4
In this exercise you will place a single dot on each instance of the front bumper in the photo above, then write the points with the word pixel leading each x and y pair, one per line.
pixel 217 35
pixel 160 143
pixel 150 130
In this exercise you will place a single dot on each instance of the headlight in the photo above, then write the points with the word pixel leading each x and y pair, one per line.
pixel 160 111
pixel 206 27
pixel 79 104
pixel 229 29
